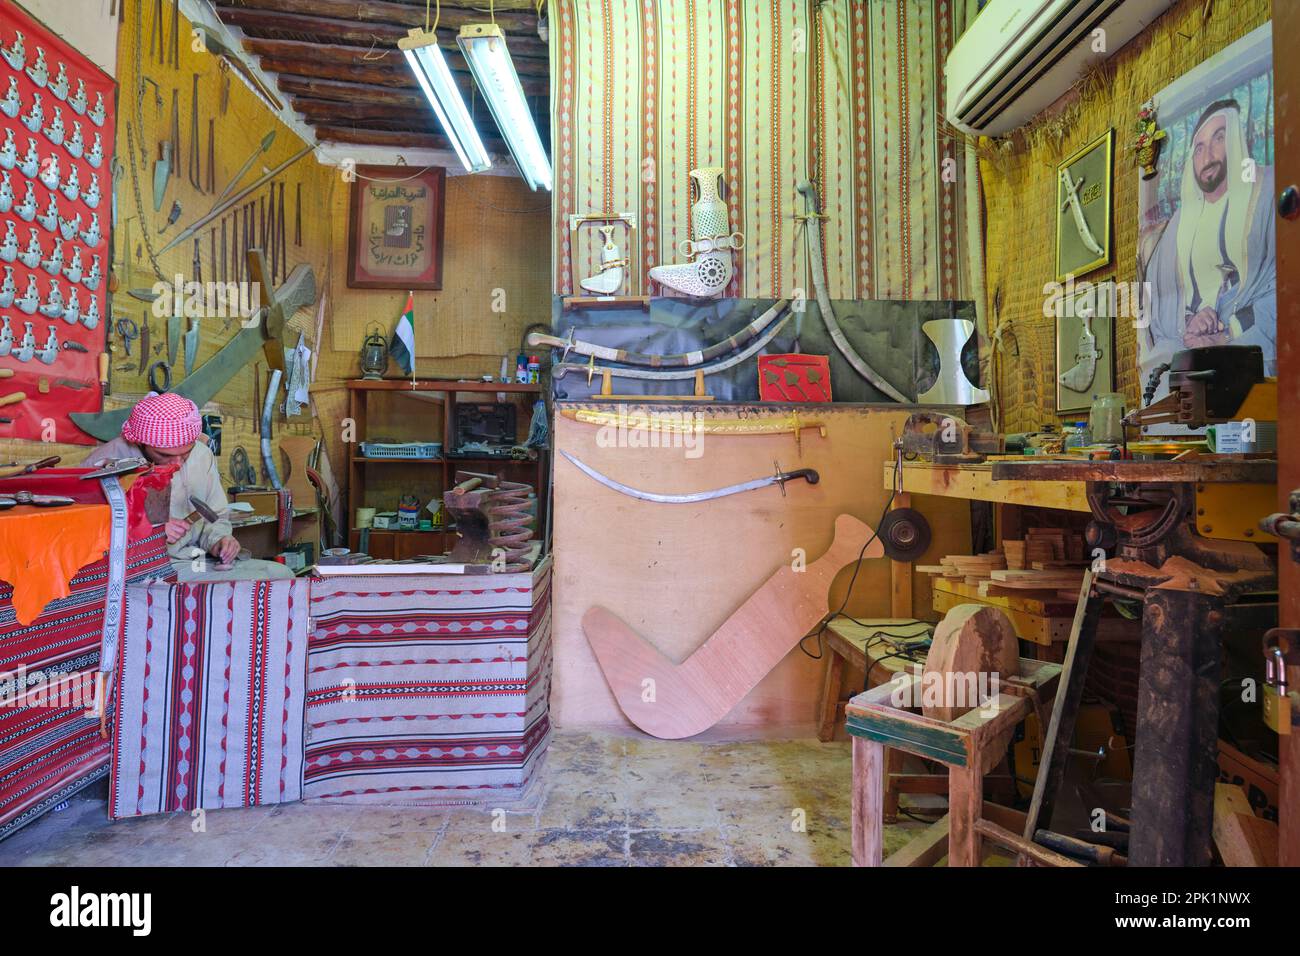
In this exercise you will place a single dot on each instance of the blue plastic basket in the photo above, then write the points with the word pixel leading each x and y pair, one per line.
pixel 428 449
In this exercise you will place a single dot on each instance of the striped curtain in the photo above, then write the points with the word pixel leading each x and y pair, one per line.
pixel 848 92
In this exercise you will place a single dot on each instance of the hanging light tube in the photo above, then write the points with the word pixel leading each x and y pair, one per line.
pixel 429 65
pixel 484 46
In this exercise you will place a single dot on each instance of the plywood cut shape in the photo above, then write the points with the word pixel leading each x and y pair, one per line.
pixel 688 698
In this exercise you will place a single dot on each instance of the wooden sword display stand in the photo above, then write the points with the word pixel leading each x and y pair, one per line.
pixel 672 701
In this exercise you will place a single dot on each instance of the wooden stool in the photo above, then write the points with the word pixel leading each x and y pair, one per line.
pixel 969 746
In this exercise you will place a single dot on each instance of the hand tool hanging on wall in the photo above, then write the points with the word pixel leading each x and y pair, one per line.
pixel 228 56
pixel 262 148
pixel 195 164
pixel 157 48
pixel 162 172
pixel 279 304
pixel 269 242
pixel 297 215
pixel 284 249
pixel 127 331
pixel 813 236
pixel 211 186
pixel 172 216
pixel 176 127
pixel 144 344
pixel 779 479
pixel 176 34
pixel 685 359
pixel 221 207
pixel 173 333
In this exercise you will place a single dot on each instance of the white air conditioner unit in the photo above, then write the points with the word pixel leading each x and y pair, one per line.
pixel 1019 56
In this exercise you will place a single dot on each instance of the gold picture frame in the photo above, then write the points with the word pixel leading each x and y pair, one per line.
pixel 1084 193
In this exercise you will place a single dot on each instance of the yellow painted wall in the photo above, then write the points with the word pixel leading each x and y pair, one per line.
pixel 1018 178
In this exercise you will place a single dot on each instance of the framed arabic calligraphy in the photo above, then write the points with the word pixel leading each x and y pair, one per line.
pixel 395 228
pixel 1083 199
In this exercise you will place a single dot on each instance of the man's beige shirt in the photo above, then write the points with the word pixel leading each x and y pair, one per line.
pixel 198 477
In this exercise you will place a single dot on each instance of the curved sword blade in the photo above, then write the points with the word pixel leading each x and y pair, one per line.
pixel 668 499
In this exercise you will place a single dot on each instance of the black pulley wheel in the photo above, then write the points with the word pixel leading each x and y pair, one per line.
pixel 905 534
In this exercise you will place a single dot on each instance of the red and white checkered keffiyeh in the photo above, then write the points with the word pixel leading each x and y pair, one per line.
pixel 163 421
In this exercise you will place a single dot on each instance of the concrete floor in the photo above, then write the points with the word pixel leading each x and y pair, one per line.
pixel 601 800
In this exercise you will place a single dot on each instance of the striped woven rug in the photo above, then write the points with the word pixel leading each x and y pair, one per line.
pixel 430 691
pixel 211 690
pixel 49 747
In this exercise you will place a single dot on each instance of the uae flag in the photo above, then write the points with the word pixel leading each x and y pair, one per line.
pixel 403 345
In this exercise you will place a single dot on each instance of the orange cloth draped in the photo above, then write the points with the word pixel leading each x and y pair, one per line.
pixel 42 548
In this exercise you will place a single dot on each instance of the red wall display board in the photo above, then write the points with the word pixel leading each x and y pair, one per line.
pixel 56 197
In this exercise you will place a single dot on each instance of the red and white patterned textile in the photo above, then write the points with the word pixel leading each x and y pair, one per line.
pixel 428 689
pixel 163 421
pixel 211 689
pixel 49 747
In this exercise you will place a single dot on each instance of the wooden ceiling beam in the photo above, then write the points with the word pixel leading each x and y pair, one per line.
pixel 380 11
pixel 338 55
pixel 353 136
pixel 413 116
pixel 328 89
pixel 274 25
pixel 370 74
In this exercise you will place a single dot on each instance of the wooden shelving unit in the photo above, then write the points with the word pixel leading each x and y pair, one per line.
pixel 376 482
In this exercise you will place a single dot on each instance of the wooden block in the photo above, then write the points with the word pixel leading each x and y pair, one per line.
pixel 1242 838
pixel 971 639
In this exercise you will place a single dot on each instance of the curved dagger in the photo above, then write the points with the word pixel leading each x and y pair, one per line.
pixel 780 478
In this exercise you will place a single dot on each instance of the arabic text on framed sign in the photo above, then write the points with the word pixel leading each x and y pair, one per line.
pixel 395 228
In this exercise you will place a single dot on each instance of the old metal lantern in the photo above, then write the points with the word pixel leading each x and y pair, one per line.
pixel 374 356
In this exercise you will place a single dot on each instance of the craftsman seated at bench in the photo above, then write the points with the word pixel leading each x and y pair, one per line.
pixel 165 429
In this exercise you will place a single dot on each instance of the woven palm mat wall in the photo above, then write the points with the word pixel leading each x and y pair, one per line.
pixel 845 92
pixel 495 238
pixel 1018 178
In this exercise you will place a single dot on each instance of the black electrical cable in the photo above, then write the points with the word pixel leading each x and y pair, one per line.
pixel 857 566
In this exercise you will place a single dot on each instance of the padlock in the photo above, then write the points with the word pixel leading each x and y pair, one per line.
pixel 1277 700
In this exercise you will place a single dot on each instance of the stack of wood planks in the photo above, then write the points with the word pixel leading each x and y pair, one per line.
pixel 1045 560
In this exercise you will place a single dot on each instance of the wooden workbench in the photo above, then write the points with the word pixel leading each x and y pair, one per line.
pixel 976 483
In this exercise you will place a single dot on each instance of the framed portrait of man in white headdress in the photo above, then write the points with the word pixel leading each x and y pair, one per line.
pixel 1205 231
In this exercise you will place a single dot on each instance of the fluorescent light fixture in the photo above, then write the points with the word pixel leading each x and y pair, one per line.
pixel 484 46
pixel 434 76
